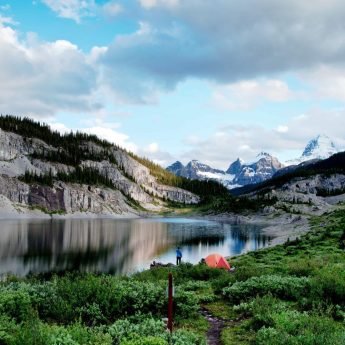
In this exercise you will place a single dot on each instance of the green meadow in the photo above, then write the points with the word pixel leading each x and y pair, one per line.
pixel 292 294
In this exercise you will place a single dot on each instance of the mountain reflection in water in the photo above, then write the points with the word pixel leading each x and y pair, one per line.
pixel 116 246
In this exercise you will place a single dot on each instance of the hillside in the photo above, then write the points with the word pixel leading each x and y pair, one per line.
pixel 76 173
pixel 333 165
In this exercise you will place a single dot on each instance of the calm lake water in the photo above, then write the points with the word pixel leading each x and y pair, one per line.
pixel 116 246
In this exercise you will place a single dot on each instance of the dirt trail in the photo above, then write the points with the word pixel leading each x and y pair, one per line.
pixel 216 327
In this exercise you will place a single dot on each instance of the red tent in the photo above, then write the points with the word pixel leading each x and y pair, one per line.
pixel 217 261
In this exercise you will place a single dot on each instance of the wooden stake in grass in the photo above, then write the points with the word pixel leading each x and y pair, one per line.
pixel 170 303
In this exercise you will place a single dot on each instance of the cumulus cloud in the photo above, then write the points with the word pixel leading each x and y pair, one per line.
pixel 71 9
pixel 112 9
pixel 42 78
pixel 247 94
pixel 326 82
pixel 158 3
pixel 78 9
pixel 226 41
pixel 156 154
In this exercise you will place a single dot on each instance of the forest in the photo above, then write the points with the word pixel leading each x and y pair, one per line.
pixel 70 149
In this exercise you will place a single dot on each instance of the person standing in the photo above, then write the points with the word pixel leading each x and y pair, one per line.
pixel 178 256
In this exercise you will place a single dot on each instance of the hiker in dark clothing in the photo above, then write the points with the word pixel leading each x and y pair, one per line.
pixel 178 256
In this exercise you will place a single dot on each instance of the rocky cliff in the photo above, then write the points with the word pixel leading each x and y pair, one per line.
pixel 134 187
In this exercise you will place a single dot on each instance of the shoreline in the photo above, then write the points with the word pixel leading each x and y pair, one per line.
pixel 279 227
pixel 282 228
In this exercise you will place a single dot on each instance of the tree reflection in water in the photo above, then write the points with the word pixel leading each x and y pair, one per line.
pixel 115 246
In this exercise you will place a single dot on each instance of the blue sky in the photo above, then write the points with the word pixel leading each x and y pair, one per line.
pixel 177 79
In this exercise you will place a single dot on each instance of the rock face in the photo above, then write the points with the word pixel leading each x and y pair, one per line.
pixel 238 174
pixel 176 168
pixel 306 195
pixel 133 181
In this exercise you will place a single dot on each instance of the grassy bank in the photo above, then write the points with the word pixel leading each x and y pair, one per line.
pixel 292 293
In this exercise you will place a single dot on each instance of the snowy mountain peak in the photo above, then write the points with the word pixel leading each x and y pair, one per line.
pixel 320 147
pixel 263 155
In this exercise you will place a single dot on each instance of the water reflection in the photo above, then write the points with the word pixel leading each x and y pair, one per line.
pixel 115 246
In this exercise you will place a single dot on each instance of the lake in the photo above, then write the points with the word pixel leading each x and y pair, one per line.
pixel 117 246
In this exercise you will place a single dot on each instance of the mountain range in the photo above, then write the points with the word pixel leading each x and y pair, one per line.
pixel 263 168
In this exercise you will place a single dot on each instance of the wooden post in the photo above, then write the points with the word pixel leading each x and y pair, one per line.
pixel 170 303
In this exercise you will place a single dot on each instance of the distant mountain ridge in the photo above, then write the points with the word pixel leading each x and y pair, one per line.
pixel 264 167
pixel 238 174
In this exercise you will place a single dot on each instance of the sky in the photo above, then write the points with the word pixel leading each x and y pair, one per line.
pixel 179 79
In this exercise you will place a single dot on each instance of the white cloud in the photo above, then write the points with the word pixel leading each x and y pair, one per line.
pixel 7 20
pixel 282 129
pixel 153 148
pixel 326 82
pixel 247 94
pixel 112 135
pixel 112 9
pixel 71 9
pixel 154 152
pixel 159 3
pixel 79 9
pixel 43 78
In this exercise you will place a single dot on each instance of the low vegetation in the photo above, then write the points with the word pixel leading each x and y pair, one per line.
pixel 292 294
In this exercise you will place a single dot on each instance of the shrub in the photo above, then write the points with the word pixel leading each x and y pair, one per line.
pixel 15 304
pixel 146 341
pixel 283 287
pixel 329 285
pixel 185 303
pixel 183 337
pixel 294 328
pixel 130 330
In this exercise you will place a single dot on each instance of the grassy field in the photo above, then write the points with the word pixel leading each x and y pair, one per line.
pixel 292 293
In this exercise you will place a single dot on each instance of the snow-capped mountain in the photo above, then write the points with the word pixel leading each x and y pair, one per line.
pixel 321 147
pixel 237 175
pixel 200 171
pixel 263 168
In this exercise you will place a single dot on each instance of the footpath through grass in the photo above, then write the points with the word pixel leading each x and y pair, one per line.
pixel 291 294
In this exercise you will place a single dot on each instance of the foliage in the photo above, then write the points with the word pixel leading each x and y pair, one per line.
pixel 283 287
pixel 29 128
pixel 293 327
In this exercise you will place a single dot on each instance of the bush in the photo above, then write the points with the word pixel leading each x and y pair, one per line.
pixel 96 299
pixel 130 330
pixel 183 337
pixel 16 304
pixel 186 304
pixel 283 287
pixel 146 341
pixel 329 285
pixel 294 328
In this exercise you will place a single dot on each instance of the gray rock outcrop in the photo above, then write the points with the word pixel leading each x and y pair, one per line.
pixel 134 184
